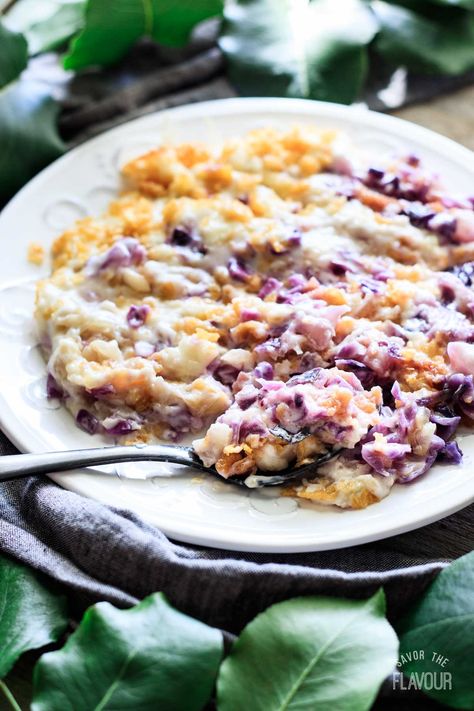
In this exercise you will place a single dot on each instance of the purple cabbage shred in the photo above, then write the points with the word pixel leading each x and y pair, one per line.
pixel 137 315
pixel 270 285
pixel 464 272
pixel 185 237
pixel 53 389
pixel 101 392
pixel 264 370
pixel 122 427
pixel 87 422
pixel 238 269
pixel 223 372
pixel 124 253
pixel 451 453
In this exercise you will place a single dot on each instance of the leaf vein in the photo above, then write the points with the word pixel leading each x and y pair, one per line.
pixel 451 618
pixel 147 17
pixel 111 689
pixel 312 664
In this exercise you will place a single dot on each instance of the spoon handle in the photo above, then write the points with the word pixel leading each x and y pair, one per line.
pixel 15 466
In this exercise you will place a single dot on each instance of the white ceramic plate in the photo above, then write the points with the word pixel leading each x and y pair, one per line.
pixel 191 507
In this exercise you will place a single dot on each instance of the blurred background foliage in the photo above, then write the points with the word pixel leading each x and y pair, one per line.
pixel 329 50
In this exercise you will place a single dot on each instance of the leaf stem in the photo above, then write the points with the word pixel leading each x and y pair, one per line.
pixel 9 696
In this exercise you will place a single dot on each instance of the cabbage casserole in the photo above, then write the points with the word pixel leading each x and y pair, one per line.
pixel 282 299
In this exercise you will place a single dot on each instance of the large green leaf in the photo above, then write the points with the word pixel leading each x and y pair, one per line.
pixel 468 4
pixel 310 653
pixel 29 135
pixel 441 625
pixel 147 658
pixel 46 24
pixel 108 35
pixel 174 21
pixel 425 5
pixel 423 44
pixel 298 48
pixel 31 616
pixel 13 55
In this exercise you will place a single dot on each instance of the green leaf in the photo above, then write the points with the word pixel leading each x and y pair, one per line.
pixel 27 119
pixel 468 4
pixel 425 6
pixel 46 24
pixel 29 135
pixel 174 21
pixel 108 35
pixel 31 616
pixel 423 44
pixel 442 624
pixel 297 48
pixel 13 55
pixel 310 653
pixel 146 658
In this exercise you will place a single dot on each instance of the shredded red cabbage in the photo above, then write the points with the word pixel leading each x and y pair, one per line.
pixel 53 389
pixel 122 427
pixel 102 392
pixel 238 270
pixel 137 315
pixel 186 237
pixel 87 422
pixel 125 252
pixel 223 372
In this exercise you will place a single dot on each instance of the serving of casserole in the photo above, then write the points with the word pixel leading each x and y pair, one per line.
pixel 282 299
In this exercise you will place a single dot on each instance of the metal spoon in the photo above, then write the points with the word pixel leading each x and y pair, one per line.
pixel 15 466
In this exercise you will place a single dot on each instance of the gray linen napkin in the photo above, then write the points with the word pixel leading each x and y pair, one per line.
pixel 107 553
